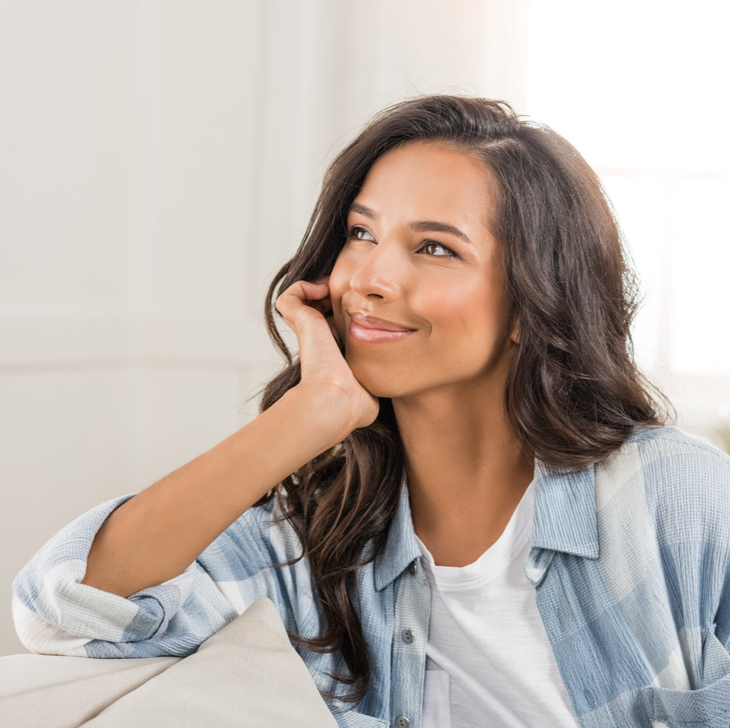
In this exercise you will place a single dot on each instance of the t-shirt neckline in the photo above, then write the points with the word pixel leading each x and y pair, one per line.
pixel 511 543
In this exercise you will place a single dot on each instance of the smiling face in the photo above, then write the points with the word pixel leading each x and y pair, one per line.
pixel 446 281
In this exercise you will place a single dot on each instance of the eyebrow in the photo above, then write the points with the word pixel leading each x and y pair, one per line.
pixel 420 225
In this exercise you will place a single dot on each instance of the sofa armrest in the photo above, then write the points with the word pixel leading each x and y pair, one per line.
pixel 60 691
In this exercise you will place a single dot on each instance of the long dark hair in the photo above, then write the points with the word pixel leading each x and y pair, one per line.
pixel 573 391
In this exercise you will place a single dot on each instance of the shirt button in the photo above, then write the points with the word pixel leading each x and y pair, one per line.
pixel 407 636
pixel 402 722
pixel 413 567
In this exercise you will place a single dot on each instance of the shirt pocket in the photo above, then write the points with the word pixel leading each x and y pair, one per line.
pixel 437 699
pixel 706 707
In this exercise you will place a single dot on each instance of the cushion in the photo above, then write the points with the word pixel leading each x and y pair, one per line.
pixel 246 674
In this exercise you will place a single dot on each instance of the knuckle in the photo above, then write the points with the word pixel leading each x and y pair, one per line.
pixel 281 302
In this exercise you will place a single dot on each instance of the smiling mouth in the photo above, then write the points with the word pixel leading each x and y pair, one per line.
pixel 367 335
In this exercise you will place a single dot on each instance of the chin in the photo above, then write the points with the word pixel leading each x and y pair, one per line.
pixel 374 378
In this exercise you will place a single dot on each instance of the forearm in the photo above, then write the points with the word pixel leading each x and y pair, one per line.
pixel 157 534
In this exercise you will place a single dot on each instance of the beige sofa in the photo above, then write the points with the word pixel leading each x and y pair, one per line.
pixel 246 674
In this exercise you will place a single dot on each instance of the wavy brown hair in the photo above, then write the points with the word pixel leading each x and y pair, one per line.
pixel 573 391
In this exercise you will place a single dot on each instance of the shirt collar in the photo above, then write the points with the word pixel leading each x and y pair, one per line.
pixel 564 520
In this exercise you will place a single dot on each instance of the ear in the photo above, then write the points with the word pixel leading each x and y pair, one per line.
pixel 515 335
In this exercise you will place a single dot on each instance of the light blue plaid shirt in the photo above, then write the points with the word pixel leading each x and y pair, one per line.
pixel 630 561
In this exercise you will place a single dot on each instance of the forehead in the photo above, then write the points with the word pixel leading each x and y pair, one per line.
pixel 421 180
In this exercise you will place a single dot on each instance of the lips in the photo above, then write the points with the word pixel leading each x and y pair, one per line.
pixel 373 322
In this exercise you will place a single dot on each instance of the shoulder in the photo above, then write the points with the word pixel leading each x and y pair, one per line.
pixel 671 439
pixel 670 455
pixel 681 480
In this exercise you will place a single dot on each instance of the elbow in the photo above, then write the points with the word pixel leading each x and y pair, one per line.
pixel 41 637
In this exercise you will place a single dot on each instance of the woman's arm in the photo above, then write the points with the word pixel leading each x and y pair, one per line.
pixel 157 534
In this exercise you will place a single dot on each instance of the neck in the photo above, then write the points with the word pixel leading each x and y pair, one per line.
pixel 466 470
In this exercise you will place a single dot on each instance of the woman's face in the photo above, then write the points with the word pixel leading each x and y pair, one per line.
pixel 392 270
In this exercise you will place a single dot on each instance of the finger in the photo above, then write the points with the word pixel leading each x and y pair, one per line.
pixel 304 292
pixel 300 293
pixel 322 304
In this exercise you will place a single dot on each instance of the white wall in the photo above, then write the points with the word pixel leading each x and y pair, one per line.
pixel 159 160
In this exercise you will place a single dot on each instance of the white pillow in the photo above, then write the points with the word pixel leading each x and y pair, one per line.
pixel 246 674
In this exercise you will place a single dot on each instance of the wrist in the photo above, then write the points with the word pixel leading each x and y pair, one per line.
pixel 326 410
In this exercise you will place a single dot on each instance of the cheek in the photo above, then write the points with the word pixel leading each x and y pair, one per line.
pixel 340 277
pixel 467 320
pixel 338 285
pixel 337 288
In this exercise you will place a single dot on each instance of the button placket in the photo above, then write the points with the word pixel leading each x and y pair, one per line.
pixel 412 619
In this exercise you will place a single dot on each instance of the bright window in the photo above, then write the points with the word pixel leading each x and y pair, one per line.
pixel 641 89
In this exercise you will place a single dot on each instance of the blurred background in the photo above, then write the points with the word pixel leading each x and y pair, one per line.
pixel 159 161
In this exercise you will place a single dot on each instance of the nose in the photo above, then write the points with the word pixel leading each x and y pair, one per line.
pixel 379 273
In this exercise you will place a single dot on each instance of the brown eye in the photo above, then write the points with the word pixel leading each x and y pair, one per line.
pixel 353 231
pixel 449 253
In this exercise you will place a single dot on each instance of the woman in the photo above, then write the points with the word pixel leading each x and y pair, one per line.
pixel 483 516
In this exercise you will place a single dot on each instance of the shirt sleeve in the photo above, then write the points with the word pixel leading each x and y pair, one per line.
pixel 55 614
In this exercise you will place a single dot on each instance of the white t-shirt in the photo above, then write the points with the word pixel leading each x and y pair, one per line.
pixel 487 647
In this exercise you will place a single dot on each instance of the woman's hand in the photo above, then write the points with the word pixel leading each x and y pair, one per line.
pixel 324 369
